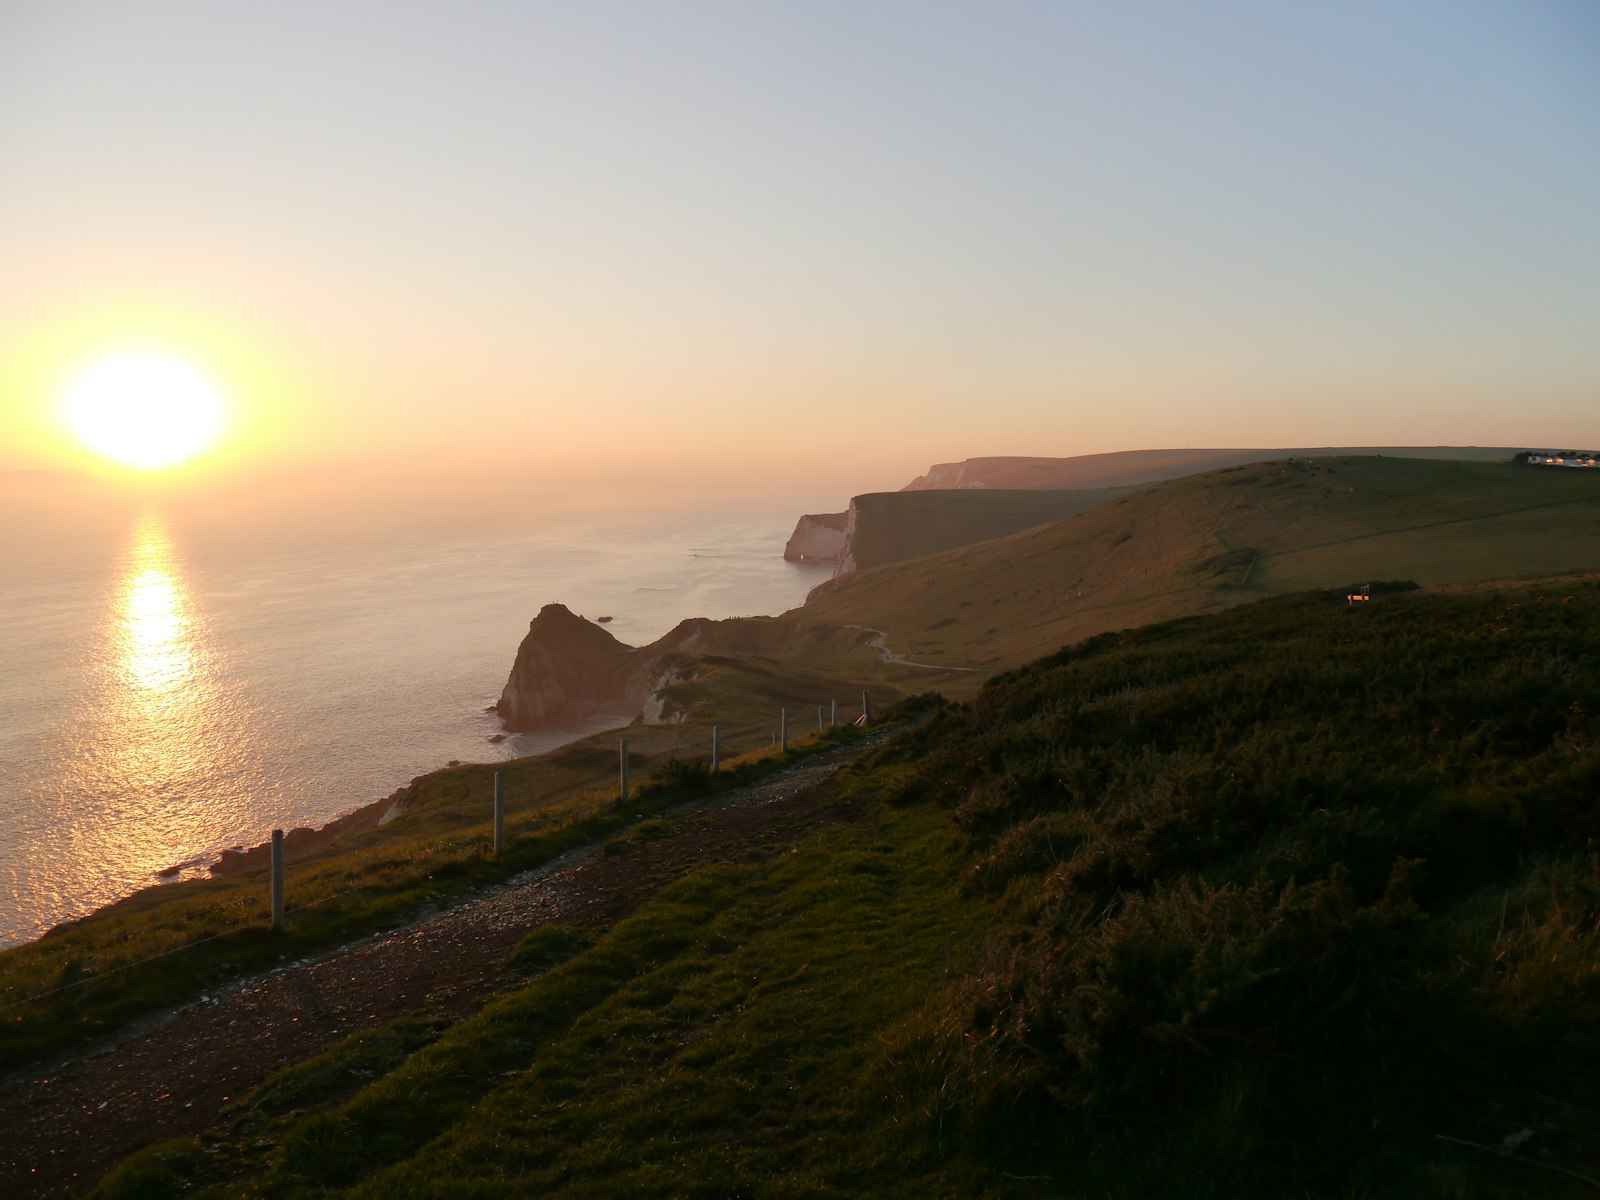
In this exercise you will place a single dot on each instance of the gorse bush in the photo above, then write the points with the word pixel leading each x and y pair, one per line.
pixel 689 775
pixel 1270 850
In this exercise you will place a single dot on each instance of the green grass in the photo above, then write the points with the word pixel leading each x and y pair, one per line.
pixel 1217 540
pixel 1190 546
pixel 164 946
pixel 894 526
pixel 723 1038
pixel 1289 900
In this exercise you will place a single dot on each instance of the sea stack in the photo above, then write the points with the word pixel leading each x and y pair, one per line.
pixel 566 669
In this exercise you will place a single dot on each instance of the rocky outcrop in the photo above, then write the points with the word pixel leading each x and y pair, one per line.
pixel 568 669
pixel 817 537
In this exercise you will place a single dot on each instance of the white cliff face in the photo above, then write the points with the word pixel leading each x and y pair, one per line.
pixel 817 537
pixel 845 562
pixel 946 477
pixel 659 709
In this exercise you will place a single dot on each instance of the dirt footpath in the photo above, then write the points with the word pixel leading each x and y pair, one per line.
pixel 64 1128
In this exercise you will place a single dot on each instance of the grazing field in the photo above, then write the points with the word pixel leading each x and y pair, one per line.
pixel 1295 899
pixel 1213 541
pixel 166 944
pixel 890 527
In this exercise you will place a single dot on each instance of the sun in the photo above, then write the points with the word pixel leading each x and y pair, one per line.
pixel 144 410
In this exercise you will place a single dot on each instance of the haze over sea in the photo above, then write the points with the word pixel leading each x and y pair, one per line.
pixel 175 683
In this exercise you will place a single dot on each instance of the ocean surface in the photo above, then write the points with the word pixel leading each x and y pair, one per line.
pixel 172 684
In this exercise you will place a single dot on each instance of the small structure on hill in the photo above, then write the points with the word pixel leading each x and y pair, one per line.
pixel 1584 459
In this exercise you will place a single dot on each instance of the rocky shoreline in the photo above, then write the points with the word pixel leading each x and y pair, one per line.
pixel 303 840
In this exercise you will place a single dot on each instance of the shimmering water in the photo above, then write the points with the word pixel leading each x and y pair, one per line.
pixel 173 686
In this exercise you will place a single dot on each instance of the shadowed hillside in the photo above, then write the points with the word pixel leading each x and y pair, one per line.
pixel 1216 540
pixel 1132 468
pixel 1293 900
pixel 888 527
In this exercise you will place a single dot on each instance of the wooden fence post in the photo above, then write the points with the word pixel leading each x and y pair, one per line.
pixel 624 758
pixel 783 730
pixel 716 748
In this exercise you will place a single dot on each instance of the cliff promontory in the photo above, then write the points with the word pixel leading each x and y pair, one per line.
pixel 817 537
pixel 568 669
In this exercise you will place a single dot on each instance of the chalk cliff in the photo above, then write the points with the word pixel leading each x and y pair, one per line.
pixel 569 669
pixel 817 537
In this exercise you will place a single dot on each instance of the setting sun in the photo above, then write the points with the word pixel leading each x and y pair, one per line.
pixel 144 410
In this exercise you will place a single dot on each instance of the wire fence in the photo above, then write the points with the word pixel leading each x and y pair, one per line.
pixel 827 717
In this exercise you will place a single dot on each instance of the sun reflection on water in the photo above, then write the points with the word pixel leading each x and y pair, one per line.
pixel 158 742
pixel 156 623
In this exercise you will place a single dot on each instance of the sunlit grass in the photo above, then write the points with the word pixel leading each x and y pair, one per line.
pixel 167 944
pixel 1291 900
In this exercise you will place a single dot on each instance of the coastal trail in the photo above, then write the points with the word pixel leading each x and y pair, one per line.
pixel 880 643
pixel 66 1124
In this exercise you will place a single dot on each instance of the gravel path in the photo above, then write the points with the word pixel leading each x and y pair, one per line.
pixel 63 1127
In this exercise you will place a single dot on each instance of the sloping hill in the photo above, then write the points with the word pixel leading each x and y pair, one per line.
pixel 887 527
pixel 1129 468
pixel 1211 541
pixel 1162 915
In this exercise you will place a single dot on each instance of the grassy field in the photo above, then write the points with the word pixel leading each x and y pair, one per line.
pixel 894 526
pixel 1138 468
pixel 1294 899
pixel 1221 539
pixel 1191 546
pixel 167 944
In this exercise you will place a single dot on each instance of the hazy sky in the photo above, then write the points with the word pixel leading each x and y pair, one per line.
pixel 757 241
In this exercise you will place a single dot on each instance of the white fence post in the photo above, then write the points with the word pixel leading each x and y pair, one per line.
pixel 624 758
pixel 499 815
pixel 277 879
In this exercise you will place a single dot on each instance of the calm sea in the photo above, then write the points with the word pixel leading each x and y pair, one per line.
pixel 171 685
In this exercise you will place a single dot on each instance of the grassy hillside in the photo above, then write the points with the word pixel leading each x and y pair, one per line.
pixel 1290 900
pixel 1130 468
pixel 1216 540
pixel 891 526
pixel 167 944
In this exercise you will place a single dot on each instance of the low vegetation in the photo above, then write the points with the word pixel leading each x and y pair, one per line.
pixel 1213 541
pixel 894 526
pixel 1297 899
pixel 166 945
